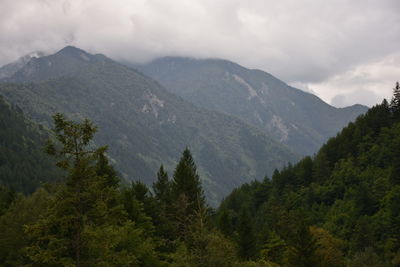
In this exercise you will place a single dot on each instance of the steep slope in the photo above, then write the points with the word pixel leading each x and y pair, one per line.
pixel 300 120
pixel 349 192
pixel 23 163
pixel 11 68
pixel 67 62
pixel 143 124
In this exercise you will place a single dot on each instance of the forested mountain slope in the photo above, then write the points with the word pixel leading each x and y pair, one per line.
pixel 340 206
pixel 144 124
pixel 23 163
pixel 296 118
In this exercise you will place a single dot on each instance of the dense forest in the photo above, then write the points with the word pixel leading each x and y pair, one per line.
pixel 340 207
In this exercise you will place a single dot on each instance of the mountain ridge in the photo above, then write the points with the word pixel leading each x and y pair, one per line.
pixel 144 124
pixel 255 96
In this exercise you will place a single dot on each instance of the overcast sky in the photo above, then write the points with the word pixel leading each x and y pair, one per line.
pixel 346 52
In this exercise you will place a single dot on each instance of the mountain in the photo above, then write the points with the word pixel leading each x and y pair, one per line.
pixel 11 68
pixel 296 118
pixel 143 124
pixel 67 62
pixel 23 163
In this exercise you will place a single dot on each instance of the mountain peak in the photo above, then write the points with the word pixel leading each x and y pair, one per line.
pixel 71 50
pixel 67 61
pixel 75 52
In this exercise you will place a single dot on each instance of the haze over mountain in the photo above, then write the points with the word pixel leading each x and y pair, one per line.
pixel 143 123
pixel 296 118
pixel 11 68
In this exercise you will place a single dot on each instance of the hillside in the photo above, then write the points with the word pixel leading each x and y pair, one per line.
pixel 342 205
pixel 143 124
pixel 23 164
pixel 296 118
pixel 11 68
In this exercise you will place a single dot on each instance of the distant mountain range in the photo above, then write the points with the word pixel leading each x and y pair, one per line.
pixel 143 124
pixel 295 118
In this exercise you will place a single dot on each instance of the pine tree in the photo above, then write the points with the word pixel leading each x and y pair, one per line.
pixel 186 182
pixel 395 103
pixel 187 197
pixel 162 187
pixel 163 222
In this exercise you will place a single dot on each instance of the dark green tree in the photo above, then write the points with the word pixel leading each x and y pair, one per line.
pixel 246 236
pixel 186 183
pixel 163 222
pixel 162 187
pixel 225 223
pixel 302 246
pixel 395 103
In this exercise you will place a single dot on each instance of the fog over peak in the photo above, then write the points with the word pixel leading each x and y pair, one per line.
pixel 344 51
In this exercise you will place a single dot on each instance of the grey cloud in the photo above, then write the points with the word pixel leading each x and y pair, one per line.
pixel 366 97
pixel 305 42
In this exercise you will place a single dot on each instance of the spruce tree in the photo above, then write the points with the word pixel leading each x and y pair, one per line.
pixel 164 225
pixel 162 187
pixel 187 197
pixel 186 182
pixel 395 103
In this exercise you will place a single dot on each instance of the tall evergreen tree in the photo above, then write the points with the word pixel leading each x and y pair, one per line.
pixel 162 187
pixel 186 182
pixel 395 103
pixel 187 197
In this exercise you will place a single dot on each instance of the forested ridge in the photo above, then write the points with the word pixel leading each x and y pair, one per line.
pixel 23 163
pixel 340 207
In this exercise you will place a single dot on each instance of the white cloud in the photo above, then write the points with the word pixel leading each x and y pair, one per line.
pixel 313 43
pixel 367 83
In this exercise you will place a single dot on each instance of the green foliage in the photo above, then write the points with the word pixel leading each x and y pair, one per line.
pixel 246 238
pixel 275 249
pixel 302 246
pixel 207 249
pixel 7 196
pixel 22 211
pixel 348 193
pixel 395 102
pixel 186 182
pixel 329 250
pixel 85 225
pixel 23 164
pixel 162 187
